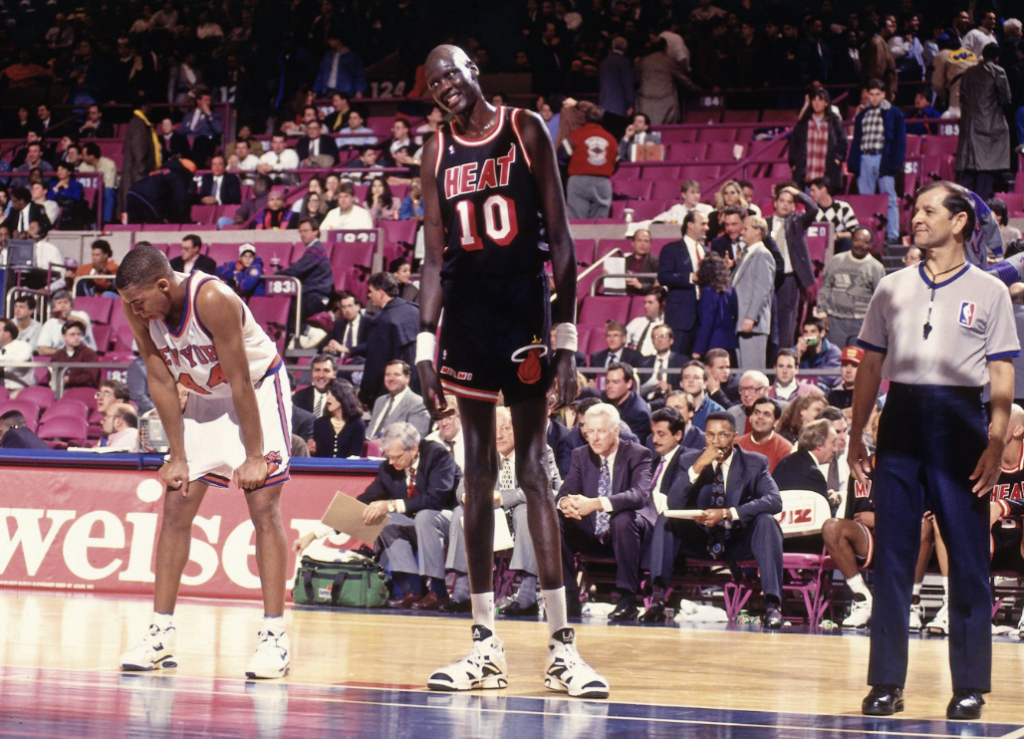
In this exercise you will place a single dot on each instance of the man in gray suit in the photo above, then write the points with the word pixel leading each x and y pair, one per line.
pixel 511 498
pixel 789 230
pixel 753 281
pixel 399 404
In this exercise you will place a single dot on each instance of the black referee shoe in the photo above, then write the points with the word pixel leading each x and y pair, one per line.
pixel 883 700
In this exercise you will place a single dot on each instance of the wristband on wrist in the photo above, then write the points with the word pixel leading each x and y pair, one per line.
pixel 566 337
pixel 426 347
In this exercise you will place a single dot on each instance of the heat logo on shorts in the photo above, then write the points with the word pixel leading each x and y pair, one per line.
pixel 528 358
pixel 967 310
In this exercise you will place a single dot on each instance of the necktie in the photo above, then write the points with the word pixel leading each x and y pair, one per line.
pixel 643 336
pixel 384 416
pixel 412 491
pixel 506 481
pixel 657 475
pixel 604 488
pixel 349 330
pixel 612 358
pixel 314 147
pixel 318 409
pixel 833 475
pixel 450 446
pixel 659 373
pixel 216 187
pixel 716 534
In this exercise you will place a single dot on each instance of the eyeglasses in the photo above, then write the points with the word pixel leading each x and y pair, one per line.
pixel 749 389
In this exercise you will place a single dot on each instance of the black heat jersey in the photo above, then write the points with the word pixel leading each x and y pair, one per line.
pixel 1007 531
pixel 859 497
pixel 490 204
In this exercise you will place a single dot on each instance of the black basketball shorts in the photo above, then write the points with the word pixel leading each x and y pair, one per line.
pixel 1006 554
pixel 496 337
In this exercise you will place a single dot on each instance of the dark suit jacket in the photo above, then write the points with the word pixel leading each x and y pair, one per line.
pixel 749 488
pixel 631 478
pixel 230 188
pixel 636 414
pixel 674 270
pixel 363 330
pixel 304 399
pixel 556 435
pixel 799 471
pixel 675 360
pixel 722 246
pixel 302 421
pixel 693 438
pixel 392 336
pixel 437 477
pixel 22 438
pixel 633 357
pixel 796 237
pixel 327 148
pixel 351 440
pixel 203 264
pixel 178 146
pixel 672 470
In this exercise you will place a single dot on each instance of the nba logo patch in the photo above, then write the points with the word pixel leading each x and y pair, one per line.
pixel 966 317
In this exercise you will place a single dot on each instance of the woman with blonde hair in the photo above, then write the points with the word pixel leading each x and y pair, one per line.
pixel 803 410
pixel 730 193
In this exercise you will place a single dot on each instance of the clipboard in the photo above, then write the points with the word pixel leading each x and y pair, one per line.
pixel 345 514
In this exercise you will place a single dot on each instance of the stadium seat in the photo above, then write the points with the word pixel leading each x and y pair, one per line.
pixel 281 251
pixel 666 189
pixel 605 246
pixel 122 339
pixel 224 253
pixel 772 115
pixel 85 394
pixel 658 244
pixel 690 152
pixel 64 431
pixel 655 172
pixel 636 307
pixel 632 189
pixel 102 334
pixel 599 309
pixel 678 135
pixel 642 209
pixel 399 232
pixel 99 309
pixel 42 374
pixel 357 255
pixel 585 251
pixel 939 145
pixel 25 407
pixel 41 395
pixel 724 150
pixel 204 215
pixel 716 133
pixel 741 116
pixel 272 314
pixel 65 407
pixel 4 394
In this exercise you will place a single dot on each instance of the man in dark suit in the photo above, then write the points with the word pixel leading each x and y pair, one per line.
pixel 415 484
pixel 668 427
pixel 392 336
pixel 172 143
pixel 788 229
pixel 729 245
pixel 220 187
pixel 302 423
pixel 314 149
pixel 800 470
pixel 738 499
pixel 693 437
pixel 15 433
pixel 190 259
pixel 620 391
pixel 348 334
pixel 640 261
pixel 314 397
pixel 677 271
pixel 607 508
pixel 164 195
pixel 617 351
pixel 659 382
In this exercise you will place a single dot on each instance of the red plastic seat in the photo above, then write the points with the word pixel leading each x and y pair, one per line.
pixel 585 251
pixel 85 394
pixel 64 431
pixel 599 309
pixel 25 407
pixel 939 145
pixel 99 309
pixel 224 253
pixel 716 133
pixel 689 152
pixel 399 232
pixel 204 215
pixel 605 246
pixel 102 334
pixel 65 407
pixel 678 135
pixel 272 314
pixel 41 395
pixel 632 189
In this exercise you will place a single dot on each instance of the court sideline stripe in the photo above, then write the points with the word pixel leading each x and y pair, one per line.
pixel 635 719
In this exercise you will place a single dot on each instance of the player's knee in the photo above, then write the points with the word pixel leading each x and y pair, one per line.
pixel 830 532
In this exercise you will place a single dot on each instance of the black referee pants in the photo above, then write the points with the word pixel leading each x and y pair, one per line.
pixel 930 440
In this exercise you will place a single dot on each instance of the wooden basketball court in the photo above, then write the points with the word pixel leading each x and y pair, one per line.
pixel 362 674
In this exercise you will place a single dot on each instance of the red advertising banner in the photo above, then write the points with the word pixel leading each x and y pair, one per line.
pixel 96 529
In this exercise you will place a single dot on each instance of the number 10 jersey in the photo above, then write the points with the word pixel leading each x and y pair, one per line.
pixel 490 203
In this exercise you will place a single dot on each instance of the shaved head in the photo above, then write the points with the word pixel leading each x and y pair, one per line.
pixel 452 79
pixel 448 53
pixel 142 267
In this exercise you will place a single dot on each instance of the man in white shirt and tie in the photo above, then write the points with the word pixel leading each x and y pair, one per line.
pixel 659 382
pixel 220 188
pixel 279 159
pixel 349 330
pixel 314 397
pixel 640 331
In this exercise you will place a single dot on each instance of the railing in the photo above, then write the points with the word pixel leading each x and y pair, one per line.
pixel 89 278
pixel 610 275
pixel 284 281
pixel 42 311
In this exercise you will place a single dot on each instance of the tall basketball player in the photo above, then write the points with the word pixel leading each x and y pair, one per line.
pixel 494 214
pixel 193 331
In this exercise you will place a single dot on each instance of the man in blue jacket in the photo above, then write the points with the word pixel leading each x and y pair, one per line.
pixel 314 270
pixel 341 70
pixel 878 152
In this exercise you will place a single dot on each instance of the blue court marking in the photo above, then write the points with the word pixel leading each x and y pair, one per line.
pixel 36 703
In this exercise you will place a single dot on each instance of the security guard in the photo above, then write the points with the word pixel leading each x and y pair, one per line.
pixel 937 331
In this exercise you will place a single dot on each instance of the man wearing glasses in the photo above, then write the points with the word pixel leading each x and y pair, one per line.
pixel 753 387
pixel 111 393
pixel 737 500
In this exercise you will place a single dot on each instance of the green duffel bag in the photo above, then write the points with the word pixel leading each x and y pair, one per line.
pixel 355 582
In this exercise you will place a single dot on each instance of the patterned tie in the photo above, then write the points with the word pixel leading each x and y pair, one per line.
pixel 349 331
pixel 506 480
pixel 604 488
pixel 716 534
pixel 412 491
pixel 318 409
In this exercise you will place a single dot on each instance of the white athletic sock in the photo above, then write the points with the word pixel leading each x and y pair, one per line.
pixel 917 589
pixel 856 584
pixel 554 607
pixel 483 609
pixel 163 621
pixel 274 624
pixel 945 589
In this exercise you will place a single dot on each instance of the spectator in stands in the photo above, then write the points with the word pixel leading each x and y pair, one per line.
pixel 639 134
pixel 430 125
pixel 640 331
pixel 677 271
pixel 693 380
pixel 94 161
pixel 850 280
pixel 15 433
pixel 839 213
pixel 172 143
pixel 682 403
pixel 247 211
pixel 762 438
pixel 689 195
pixel 275 216
pixel 338 117
pixel 347 216
pixel 908 51
pixel 412 203
pixel 983 149
pixel 621 391
pixel 605 513
pixel 308 113
pixel 314 270
pixel 722 387
pixel 593 153
pixel 102 264
pixel 949 66
pixel 729 194
pixel 400 140
pixel 1001 214
pixel 162 196
pixel 616 350
pixel 110 393
pixel 33 160
pixel 121 428
pixel 380 202
pixel 191 259
pixel 912 257
pixel 356 133
pixel 658 384
pixel 786 386
pixel 616 93
pixel 754 280
pixel 341 70
pixel 639 261
pixel 24 317
pixel 350 329
pixel 279 159
pixel 753 386
pixel 799 471
pixel 50 211
pixel 242 159
pixel 220 187
pixel 12 351
pixel 923 109
pixel 399 403
pixel 94 127
pixel 401 270
pixel 449 433
pixel 72 154
pixel 75 350
pixel 313 398
pixel 878 152
pixel 799 413
pixel 841 396
pixel 315 150
pixel 243 275
pixel 50 339
pixel 203 126
pixel 788 229
pixel 368 156
pixel 21 214
pixel 392 335
pixel 730 244
pixel 311 208
pixel 978 38
pixel 877 61
pixel 659 76
pixel 815 351
pixel 717 308
pixel 341 432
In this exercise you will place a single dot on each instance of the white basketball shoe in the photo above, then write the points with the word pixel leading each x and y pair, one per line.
pixel 271 657
pixel 483 669
pixel 860 615
pixel 916 616
pixel 568 673
pixel 155 651
pixel 939 626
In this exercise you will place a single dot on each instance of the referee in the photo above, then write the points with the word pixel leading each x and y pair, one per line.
pixel 937 331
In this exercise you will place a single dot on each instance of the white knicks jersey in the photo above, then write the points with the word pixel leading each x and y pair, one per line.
pixel 189 353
